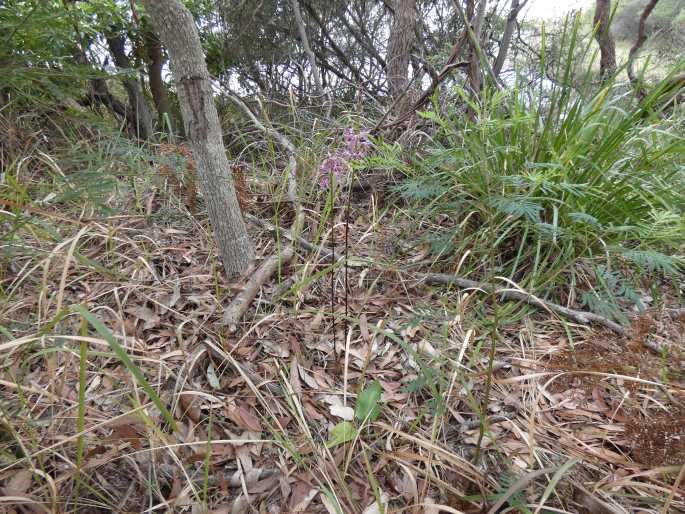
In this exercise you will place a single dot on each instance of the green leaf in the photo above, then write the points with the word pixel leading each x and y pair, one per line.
pixel 341 433
pixel 558 475
pixel 581 217
pixel 126 361
pixel 367 402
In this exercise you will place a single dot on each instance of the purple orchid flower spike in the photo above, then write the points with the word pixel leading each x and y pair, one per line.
pixel 355 146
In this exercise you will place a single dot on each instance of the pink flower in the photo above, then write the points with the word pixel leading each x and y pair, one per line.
pixel 356 146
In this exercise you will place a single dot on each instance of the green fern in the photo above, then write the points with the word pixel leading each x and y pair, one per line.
pixel 518 207
pixel 420 189
pixel 653 260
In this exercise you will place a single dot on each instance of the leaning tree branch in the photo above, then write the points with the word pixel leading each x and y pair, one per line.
pixel 334 46
pixel 305 43
pixel 445 72
pixel 640 41
pixel 505 43
pixel 474 37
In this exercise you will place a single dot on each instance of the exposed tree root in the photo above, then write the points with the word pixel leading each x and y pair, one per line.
pixel 583 317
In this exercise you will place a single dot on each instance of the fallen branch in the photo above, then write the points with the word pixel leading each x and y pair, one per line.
pixel 583 317
pixel 242 300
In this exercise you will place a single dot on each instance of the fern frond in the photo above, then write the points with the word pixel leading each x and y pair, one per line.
pixel 517 206
pixel 653 260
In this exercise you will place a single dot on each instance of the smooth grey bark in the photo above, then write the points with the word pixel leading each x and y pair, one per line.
pixel 505 41
pixel 176 29
pixel 305 43
pixel 140 120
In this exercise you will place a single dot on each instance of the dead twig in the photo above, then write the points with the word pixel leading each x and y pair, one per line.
pixel 584 317
pixel 300 241
pixel 242 300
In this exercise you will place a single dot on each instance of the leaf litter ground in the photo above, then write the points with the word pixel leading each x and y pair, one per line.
pixel 463 427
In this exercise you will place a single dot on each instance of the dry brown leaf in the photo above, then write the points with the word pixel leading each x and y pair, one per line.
pixel 407 485
pixel 240 505
pixel 223 509
pixel 301 496
pixel 593 504
pixel 189 407
pixel 19 483
pixel 295 382
pixel 307 378
pixel 146 314
pixel 315 323
pixel 250 422
pixel 263 486
pixel 127 433
pixel 428 507
pixel 364 328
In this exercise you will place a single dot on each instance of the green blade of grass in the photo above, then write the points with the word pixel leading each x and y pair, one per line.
pixel 127 362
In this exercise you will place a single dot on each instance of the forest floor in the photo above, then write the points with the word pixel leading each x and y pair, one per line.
pixel 486 406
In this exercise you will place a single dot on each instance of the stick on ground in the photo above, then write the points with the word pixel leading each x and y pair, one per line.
pixel 235 310
pixel 583 317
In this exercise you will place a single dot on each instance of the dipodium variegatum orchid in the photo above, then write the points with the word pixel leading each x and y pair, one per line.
pixel 356 146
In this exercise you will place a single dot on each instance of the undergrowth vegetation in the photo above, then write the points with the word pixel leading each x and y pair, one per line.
pixel 353 383
pixel 554 187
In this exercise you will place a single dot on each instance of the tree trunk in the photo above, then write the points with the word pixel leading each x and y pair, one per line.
pixel 476 21
pixel 140 120
pixel 399 48
pixel 177 31
pixel 505 41
pixel 607 47
pixel 155 63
